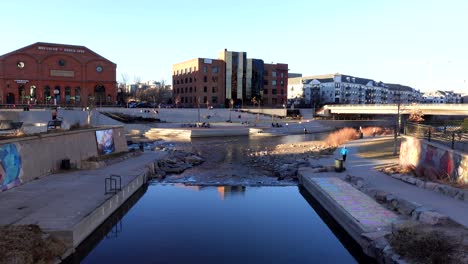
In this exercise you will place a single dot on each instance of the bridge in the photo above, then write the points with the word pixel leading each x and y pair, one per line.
pixel 387 109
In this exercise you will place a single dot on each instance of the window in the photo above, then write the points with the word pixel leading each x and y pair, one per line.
pixel 282 92
pixel 205 89
pixel 273 83
pixel 273 91
pixel 77 94
pixel 265 91
pixel 67 94
pixel 186 89
pixel 190 80
pixel 214 89
pixel 274 101
pixel 205 99
pixel 215 69
pixel 282 75
pixel 214 99
pixel 205 68
pixel 32 91
pixel 205 79
pixel 265 82
pixel 273 74
pixel 190 89
pixel 282 83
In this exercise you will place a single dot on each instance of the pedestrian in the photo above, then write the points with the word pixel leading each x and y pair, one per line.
pixel 54 113
pixel 344 152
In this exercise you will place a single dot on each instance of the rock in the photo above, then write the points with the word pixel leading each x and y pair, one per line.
pixel 451 191
pixel 381 196
pixel 420 183
pixel 433 218
pixel 407 207
pixel 194 159
pixel 431 185
pixel 416 212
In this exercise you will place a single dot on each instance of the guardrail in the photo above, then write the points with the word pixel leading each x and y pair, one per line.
pixel 450 134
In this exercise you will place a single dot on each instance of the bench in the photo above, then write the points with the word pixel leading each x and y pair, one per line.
pixel 54 124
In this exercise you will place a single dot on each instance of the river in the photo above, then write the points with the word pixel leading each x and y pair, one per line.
pixel 177 223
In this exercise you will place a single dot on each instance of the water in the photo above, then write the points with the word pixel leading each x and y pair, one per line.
pixel 228 162
pixel 174 223
pixel 178 224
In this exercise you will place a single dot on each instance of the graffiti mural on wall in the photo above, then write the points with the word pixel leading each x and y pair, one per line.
pixel 10 166
pixel 433 162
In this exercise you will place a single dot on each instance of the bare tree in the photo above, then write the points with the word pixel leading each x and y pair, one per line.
pixel 137 79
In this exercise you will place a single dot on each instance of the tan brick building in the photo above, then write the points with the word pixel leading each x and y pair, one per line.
pixel 230 78
pixel 42 73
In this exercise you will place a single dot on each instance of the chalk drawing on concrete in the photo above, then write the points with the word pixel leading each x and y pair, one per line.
pixel 10 166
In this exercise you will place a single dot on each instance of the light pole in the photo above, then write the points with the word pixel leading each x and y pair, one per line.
pixel 397 124
pixel 231 103
pixel 198 103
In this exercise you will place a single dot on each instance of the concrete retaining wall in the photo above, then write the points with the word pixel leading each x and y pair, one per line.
pixel 434 161
pixel 25 159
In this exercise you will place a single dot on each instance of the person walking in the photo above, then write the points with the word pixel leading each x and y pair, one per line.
pixel 344 152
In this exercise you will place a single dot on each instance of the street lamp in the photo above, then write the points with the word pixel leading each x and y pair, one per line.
pixel 198 103
pixel 397 124
pixel 231 104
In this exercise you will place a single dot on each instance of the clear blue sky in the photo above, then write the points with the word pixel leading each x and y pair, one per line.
pixel 423 44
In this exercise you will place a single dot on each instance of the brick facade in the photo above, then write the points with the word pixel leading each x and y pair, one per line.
pixel 232 78
pixel 42 72
pixel 200 80
pixel 275 84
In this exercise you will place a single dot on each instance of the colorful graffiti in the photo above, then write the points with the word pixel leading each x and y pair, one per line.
pixel 434 162
pixel 105 141
pixel 10 166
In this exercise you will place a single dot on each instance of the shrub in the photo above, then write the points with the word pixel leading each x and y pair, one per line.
pixel 368 131
pixel 422 245
pixel 341 136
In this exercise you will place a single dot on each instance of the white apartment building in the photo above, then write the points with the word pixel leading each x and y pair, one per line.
pixel 345 89
pixel 442 97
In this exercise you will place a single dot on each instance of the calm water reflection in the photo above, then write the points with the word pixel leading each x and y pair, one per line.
pixel 179 224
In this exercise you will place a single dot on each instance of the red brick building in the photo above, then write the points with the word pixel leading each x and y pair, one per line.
pixel 275 82
pixel 42 73
pixel 199 82
pixel 231 80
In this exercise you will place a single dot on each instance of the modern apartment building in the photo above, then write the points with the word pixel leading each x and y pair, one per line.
pixel 442 97
pixel 346 89
pixel 231 79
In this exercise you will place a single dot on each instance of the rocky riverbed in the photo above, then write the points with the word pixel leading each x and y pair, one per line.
pixel 224 162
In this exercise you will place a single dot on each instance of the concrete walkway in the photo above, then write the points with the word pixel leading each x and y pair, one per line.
pixel 62 202
pixel 364 168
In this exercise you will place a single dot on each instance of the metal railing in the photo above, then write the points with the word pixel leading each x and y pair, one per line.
pixel 451 134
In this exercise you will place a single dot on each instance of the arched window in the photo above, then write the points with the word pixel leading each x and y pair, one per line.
pixel 47 94
pixel 77 94
pixel 67 94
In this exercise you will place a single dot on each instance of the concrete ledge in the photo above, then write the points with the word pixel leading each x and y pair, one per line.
pixel 84 228
pixel 357 213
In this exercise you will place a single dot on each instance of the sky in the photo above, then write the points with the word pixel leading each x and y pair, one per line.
pixel 422 44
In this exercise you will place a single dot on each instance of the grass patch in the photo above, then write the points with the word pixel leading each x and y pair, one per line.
pixel 379 149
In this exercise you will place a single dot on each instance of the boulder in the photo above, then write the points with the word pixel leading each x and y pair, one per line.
pixel 433 218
